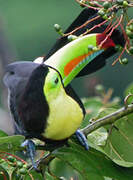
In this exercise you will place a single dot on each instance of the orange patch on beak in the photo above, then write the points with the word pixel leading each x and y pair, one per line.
pixel 74 62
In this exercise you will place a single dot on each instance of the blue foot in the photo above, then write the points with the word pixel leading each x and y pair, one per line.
pixel 82 139
pixel 30 146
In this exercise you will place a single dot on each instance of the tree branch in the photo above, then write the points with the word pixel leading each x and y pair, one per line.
pixel 109 119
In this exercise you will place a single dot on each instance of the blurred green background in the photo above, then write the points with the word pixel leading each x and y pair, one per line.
pixel 26 32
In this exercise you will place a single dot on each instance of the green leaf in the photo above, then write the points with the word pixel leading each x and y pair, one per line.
pixel 92 106
pixel 29 175
pixel 35 175
pixel 3 134
pixel 92 164
pixel 49 177
pixel 119 144
pixel 105 112
pixel 98 137
pixel 15 175
pixel 107 178
pixel 62 169
pixel 11 143
pixel 3 174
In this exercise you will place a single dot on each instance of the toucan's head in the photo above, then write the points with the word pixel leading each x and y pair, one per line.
pixel 45 80
pixel 18 73
pixel 32 87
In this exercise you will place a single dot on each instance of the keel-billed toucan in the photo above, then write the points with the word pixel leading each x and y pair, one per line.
pixel 42 103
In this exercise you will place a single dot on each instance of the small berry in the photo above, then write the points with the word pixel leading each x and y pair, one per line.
pixel 90 47
pixel 19 164
pixel 99 88
pixel 11 159
pixel 131 50
pixel 25 166
pixel 116 99
pixel 71 37
pixel 129 33
pixel 95 49
pixel 101 12
pixel 131 27
pixel 57 27
pixel 124 61
pixel 82 3
pixel 106 5
pixel 117 47
pixel 22 171
pixel 125 3
pixel 105 17
pixel 2 160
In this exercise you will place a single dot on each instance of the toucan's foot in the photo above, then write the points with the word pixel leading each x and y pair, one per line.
pixel 82 139
pixel 31 150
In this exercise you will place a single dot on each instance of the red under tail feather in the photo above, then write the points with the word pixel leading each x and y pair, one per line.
pixel 108 42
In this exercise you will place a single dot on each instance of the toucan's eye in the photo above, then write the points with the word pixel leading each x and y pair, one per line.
pixel 11 73
pixel 56 80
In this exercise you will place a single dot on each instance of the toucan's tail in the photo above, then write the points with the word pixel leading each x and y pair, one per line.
pixel 85 15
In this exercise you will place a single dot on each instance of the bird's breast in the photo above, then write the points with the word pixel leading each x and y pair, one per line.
pixel 64 119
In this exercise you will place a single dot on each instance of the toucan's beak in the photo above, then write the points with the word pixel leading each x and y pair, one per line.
pixel 74 56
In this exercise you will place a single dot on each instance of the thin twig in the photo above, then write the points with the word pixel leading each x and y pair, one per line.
pixel 94 27
pixel 109 119
pixel 83 25
pixel 86 5
pixel 120 54
pixel 113 28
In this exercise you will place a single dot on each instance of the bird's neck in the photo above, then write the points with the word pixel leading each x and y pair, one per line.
pixel 64 118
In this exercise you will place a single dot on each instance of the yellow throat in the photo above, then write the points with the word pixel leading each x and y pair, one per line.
pixel 65 114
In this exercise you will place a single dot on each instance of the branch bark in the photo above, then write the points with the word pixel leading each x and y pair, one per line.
pixel 109 119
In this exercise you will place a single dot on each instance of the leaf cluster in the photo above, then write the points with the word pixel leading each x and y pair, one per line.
pixel 109 157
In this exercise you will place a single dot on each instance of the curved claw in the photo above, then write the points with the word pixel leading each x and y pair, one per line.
pixel 126 99
pixel 82 139
pixel 31 150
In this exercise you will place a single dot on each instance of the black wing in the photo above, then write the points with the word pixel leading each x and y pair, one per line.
pixel 15 79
